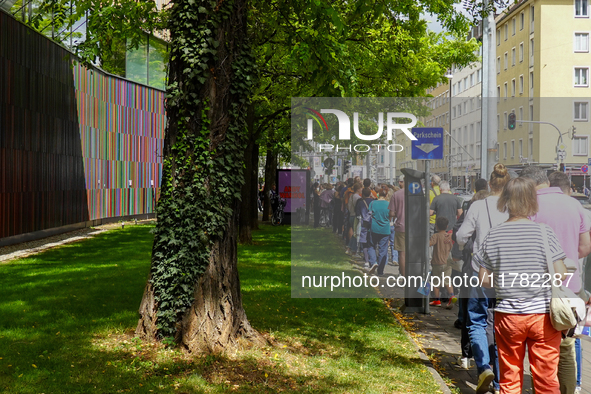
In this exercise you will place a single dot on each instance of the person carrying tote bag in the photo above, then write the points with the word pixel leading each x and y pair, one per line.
pixel 514 260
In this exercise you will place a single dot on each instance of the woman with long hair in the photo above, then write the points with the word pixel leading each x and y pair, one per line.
pixel 482 216
pixel 520 247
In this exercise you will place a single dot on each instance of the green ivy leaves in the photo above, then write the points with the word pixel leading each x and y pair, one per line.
pixel 201 178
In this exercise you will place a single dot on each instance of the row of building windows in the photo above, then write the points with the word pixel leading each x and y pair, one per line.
pixel 521 18
pixel 514 56
pixel 467 82
pixel 580 114
pixel 467 106
pixel 580 147
pixel 514 86
pixel 581 10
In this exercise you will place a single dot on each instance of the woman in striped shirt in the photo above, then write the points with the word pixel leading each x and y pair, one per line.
pixel 513 261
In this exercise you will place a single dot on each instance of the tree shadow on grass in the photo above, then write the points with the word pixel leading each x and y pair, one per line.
pixel 68 317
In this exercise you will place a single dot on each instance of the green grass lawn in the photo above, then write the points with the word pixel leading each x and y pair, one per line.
pixel 67 318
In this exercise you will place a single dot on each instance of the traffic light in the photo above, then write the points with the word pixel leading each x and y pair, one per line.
pixel 347 166
pixel 512 121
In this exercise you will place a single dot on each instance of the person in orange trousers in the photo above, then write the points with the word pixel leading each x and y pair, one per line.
pixel 522 249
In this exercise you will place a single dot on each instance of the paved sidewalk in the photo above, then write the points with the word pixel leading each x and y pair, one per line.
pixel 440 340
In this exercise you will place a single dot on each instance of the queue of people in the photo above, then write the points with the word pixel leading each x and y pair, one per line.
pixel 361 213
pixel 522 226
pixel 514 224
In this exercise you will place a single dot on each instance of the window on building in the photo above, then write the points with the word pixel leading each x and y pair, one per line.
pixel 530 149
pixel 498 94
pixel 581 42
pixel 513 26
pixel 520 116
pixel 513 57
pixel 522 20
pixel 466 83
pixel 521 84
pixel 479 102
pixel 146 64
pixel 581 76
pixel 512 149
pixel 520 52
pixel 531 81
pixel 498 65
pixel 471 79
pixel 520 148
pixel 581 8
pixel 505 121
pixel 453 112
pixel 531 112
pixel 506 31
pixel 512 88
pixel 506 60
pixel 498 122
pixel 479 76
pixel 477 155
pixel 581 145
pixel 460 110
pixel 506 90
pixel 505 150
pixel 498 37
pixel 581 111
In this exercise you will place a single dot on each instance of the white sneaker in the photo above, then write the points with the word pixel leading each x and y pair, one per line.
pixel 578 389
pixel 463 362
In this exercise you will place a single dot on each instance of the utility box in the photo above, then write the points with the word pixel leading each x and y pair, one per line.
pixel 415 215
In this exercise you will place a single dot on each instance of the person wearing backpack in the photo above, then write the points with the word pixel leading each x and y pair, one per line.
pixel 362 211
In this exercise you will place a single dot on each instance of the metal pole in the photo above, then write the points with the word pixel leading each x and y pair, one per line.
pixel 558 142
pixel 489 104
pixel 449 145
pixel 390 159
pixel 426 251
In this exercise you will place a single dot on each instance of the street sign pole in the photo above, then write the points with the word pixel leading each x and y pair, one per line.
pixel 427 146
pixel 426 251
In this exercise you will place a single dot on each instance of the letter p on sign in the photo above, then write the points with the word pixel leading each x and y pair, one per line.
pixel 414 188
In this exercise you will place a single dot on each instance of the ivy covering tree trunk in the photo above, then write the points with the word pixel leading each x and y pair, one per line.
pixel 193 293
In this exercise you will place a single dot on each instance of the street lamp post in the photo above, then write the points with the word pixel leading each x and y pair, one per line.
pixel 449 77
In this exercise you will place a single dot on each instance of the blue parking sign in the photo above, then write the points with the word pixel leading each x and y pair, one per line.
pixel 415 188
pixel 429 143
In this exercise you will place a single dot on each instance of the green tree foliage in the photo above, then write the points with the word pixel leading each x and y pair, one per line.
pixel 338 48
pixel 301 48
pixel 100 30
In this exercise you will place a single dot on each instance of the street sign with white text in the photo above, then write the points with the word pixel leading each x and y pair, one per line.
pixel 429 143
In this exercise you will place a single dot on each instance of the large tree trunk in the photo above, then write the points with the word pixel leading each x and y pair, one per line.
pixel 193 293
pixel 270 180
pixel 216 321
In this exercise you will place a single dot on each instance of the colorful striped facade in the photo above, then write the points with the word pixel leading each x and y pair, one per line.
pixel 76 144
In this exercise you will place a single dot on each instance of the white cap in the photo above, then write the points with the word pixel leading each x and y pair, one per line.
pixel 401 178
